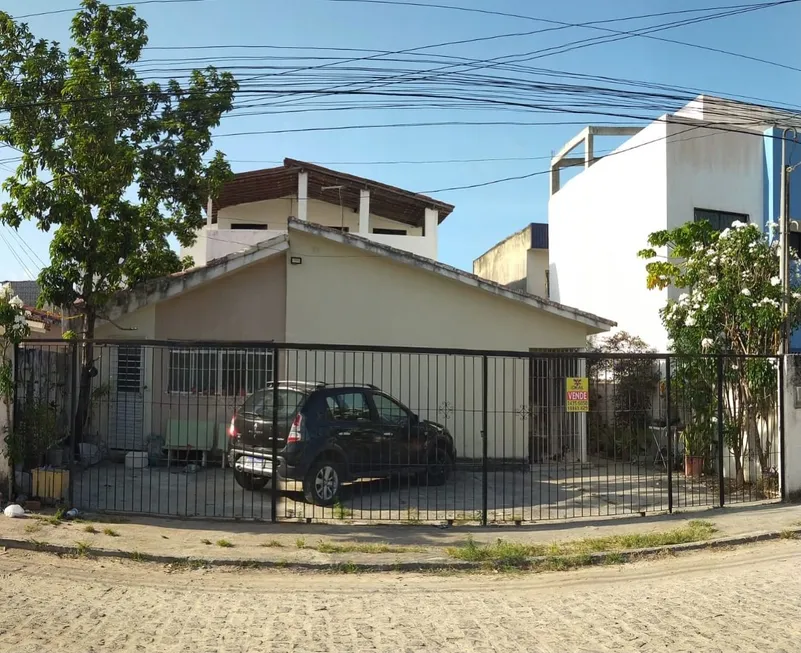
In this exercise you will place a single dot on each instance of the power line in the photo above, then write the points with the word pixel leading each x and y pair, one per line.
pixel 118 4
pixel 16 256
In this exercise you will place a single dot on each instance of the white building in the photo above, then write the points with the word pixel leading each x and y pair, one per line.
pixel 713 159
pixel 255 206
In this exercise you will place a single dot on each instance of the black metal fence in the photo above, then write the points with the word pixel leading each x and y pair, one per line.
pixel 535 436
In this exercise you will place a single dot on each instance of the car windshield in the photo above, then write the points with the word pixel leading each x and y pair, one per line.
pixel 261 403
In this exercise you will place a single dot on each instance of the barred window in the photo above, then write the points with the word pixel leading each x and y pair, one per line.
pixel 244 372
pixel 227 372
pixel 194 371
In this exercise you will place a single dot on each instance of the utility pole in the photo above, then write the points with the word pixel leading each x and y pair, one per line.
pixel 784 238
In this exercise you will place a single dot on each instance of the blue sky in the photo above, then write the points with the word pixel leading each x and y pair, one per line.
pixel 483 215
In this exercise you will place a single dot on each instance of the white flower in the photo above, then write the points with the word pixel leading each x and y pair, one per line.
pixel 797 295
pixel 775 281
pixel 684 298
pixel 738 224
pixel 16 302
pixel 746 292
pixel 713 279
pixel 706 343
pixel 690 321
pixel 6 291
pixel 724 234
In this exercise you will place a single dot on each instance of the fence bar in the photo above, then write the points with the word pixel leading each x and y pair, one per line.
pixel 73 366
pixel 721 443
pixel 669 423
pixel 484 461
pixel 274 435
pixel 780 403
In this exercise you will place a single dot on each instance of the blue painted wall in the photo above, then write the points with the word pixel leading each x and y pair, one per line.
pixel 772 191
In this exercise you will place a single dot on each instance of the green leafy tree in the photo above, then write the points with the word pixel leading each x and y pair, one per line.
pixel 13 330
pixel 732 304
pixel 111 163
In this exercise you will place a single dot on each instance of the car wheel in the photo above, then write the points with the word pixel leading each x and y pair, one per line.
pixel 438 467
pixel 323 483
pixel 249 481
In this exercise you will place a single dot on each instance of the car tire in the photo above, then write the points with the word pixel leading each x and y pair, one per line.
pixel 438 467
pixel 249 481
pixel 323 484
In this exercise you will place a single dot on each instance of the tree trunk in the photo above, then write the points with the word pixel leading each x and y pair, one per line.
pixel 86 374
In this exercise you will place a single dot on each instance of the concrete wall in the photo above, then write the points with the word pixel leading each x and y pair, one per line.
pixel 791 482
pixel 507 262
pixel 598 222
pixel 537 271
pixel 368 300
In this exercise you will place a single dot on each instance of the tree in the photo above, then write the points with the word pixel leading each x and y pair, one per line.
pixel 13 330
pixel 733 305
pixel 113 164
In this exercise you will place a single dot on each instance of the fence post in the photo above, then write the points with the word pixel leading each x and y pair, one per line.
pixel 73 411
pixel 669 424
pixel 484 461
pixel 780 403
pixel 721 442
pixel 274 439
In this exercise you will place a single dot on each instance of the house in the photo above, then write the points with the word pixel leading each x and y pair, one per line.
pixel 714 159
pixel 519 262
pixel 324 290
pixel 255 206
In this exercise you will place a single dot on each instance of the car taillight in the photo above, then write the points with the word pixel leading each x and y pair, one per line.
pixel 294 432
pixel 232 430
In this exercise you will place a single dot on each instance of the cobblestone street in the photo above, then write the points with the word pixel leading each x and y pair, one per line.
pixel 742 600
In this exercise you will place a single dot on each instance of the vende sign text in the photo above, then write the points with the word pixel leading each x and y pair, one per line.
pixel 577 394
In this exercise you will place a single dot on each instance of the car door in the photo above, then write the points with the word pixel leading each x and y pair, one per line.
pixel 399 433
pixel 352 428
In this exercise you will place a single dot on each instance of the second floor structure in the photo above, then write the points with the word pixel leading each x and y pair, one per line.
pixel 255 206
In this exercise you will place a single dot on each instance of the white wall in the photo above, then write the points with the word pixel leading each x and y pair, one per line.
pixel 710 169
pixel 792 427
pixel 597 223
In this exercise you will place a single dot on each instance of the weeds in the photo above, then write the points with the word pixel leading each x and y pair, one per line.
pixel 206 541
pixel 110 532
pixel 787 534
pixel 224 544
pixel 300 542
pixel 272 544
pixel 33 527
pixel 82 549
pixel 38 545
pixel 560 555
pixel 249 564
pixel 341 512
pixel 89 528
pixel 187 564
pixel 136 556
pixel 346 568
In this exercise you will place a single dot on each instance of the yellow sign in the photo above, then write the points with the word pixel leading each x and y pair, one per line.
pixel 577 396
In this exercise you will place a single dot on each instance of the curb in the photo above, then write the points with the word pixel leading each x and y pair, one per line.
pixel 428 565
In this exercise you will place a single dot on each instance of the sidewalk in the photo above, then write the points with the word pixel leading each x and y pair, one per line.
pixel 376 546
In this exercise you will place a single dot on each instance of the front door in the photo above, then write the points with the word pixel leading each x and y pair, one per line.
pixel 127 419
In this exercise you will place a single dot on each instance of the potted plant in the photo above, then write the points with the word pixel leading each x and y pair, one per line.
pixel 696 446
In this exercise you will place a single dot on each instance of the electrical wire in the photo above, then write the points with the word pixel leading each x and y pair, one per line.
pixel 137 3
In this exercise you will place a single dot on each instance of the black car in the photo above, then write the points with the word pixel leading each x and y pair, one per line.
pixel 328 435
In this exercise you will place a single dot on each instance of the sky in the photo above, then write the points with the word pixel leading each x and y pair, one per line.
pixel 483 215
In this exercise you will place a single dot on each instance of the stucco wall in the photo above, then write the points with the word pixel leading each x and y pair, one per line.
pixel 598 222
pixel 353 297
pixel 507 262
pixel 538 262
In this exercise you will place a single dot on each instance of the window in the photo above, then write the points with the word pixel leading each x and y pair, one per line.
pixel 390 412
pixel 261 404
pixel 193 371
pixel 390 232
pixel 233 373
pixel 795 242
pixel 129 368
pixel 244 372
pixel 719 220
pixel 348 407
pixel 249 225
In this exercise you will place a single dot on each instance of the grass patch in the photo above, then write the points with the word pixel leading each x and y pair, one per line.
pixel 562 555
pixel 110 532
pixel 224 544
pixel 136 556
pixel 82 549
pixel 787 534
pixel 341 512
pixel 272 544
pixel 33 527
pixel 249 564
pixel 38 545
pixel 205 541
pixel 90 528
pixel 300 542
pixel 187 564
pixel 346 568
pixel 364 547
pixel 412 516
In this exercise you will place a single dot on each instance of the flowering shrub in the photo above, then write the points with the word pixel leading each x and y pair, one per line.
pixel 732 304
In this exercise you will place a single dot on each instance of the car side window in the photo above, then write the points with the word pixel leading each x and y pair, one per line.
pixel 348 407
pixel 390 411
